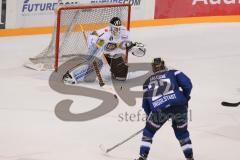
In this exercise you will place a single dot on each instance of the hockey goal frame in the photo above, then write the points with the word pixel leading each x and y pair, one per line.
pixel 58 26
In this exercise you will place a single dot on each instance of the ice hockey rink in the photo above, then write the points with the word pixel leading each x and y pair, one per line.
pixel 208 53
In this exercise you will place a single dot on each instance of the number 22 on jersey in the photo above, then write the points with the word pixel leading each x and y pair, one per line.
pixel 160 87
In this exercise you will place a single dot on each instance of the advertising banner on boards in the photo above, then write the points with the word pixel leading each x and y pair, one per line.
pixel 38 13
pixel 195 8
pixel 2 13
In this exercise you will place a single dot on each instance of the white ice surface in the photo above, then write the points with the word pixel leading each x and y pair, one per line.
pixel 208 53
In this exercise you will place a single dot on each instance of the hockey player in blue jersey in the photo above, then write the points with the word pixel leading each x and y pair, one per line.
pixel 166 95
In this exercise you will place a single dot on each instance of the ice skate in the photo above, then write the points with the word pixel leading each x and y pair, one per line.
pixel 67 79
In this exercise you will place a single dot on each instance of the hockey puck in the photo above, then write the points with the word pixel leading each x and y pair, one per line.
pixel 115 96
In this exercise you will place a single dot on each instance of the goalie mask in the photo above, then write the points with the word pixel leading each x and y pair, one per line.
pixel 115 26
pixel 158 65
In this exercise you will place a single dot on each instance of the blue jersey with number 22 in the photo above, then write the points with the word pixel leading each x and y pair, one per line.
pixel 164 89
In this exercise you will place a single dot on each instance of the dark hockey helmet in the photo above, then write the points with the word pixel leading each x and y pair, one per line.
pixel 116 21
pixel 115 26
pixel 158 65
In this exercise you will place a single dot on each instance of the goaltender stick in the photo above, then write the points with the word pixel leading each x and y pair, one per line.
pixel 113 43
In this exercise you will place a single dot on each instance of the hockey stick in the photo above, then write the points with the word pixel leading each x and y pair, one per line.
pixel 95 65
pixel 120 143
pixel 228 104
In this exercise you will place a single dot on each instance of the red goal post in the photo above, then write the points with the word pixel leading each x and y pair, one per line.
pixel 72 25
pixel 88 27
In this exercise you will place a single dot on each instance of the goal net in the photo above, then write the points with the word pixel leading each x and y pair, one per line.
pixel 73 25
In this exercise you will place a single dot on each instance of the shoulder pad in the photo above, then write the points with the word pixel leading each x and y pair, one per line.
pixel 176 72
pixel 102 31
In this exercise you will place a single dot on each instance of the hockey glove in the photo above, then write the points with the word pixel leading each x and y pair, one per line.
pixel 137 49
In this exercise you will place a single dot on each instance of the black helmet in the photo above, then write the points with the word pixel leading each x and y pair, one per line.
pixel 115 26
pixel 115 21
pixel 158 65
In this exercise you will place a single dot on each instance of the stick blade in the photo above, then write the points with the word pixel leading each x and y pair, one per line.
pixel 102 148
pixel 228 104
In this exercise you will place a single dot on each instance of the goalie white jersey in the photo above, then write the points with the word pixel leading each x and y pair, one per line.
pixel 112 45
pixel 100 42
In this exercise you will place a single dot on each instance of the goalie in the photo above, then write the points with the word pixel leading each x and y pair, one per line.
pixel 112 43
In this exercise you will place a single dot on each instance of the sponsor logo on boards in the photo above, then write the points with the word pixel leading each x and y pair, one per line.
pixel 40 8
pixel 132 2
pixel 215 2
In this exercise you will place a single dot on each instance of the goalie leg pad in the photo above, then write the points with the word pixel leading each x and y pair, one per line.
pixel 85 72
pixel 119 69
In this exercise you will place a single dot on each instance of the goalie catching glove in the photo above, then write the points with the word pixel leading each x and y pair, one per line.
pixel 136 48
